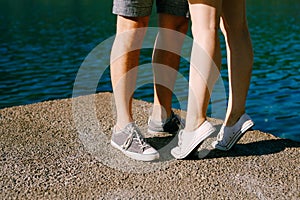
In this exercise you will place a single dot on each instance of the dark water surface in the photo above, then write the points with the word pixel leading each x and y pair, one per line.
pixel 43 44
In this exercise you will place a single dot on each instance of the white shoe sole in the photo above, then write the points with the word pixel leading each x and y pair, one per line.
pixel 156 132
pixel 136 156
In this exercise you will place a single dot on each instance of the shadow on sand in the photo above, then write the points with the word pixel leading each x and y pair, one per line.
pixel 257 148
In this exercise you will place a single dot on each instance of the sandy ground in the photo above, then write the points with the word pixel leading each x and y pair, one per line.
pixel 61 150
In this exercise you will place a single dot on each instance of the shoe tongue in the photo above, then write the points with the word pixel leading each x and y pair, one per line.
pixel 129 125
pixel 132 126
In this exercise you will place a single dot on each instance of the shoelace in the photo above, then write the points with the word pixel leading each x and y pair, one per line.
pixel 221 139
pixel 220 135
pixel 134 135
pixel 180 138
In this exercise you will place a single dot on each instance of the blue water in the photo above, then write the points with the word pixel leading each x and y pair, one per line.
pixel 43 44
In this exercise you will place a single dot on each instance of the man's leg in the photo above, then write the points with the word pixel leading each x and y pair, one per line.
pixel 124 64
pixel 126 135
pixel 240 57
pixel 166 63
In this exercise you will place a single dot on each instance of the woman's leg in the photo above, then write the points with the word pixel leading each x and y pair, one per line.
pixel 240 57
pixel 204 71
pixel 205 59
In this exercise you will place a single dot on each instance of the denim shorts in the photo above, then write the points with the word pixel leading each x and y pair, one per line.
pixel 141 8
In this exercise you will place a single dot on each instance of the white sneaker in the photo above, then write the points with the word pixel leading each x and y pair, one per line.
pixel 188 141
pixel 229 136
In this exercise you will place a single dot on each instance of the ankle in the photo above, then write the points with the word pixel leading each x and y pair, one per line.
pixel 120 125
pixel 159 113
pixel 233 118
pixel 192 125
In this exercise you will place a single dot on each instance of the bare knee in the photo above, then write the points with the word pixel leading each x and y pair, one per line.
pixel 204 34
pixel 131 31
pixel 129 23
pixel 176 23
pixel 181 25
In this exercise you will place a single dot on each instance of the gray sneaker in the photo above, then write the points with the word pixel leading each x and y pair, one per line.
pixel 130 141
pixel 170 125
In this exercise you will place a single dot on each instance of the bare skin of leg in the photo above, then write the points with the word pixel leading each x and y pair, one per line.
pixel 124 64
pixel 240 57
pixel 166 63
pixel 205 59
